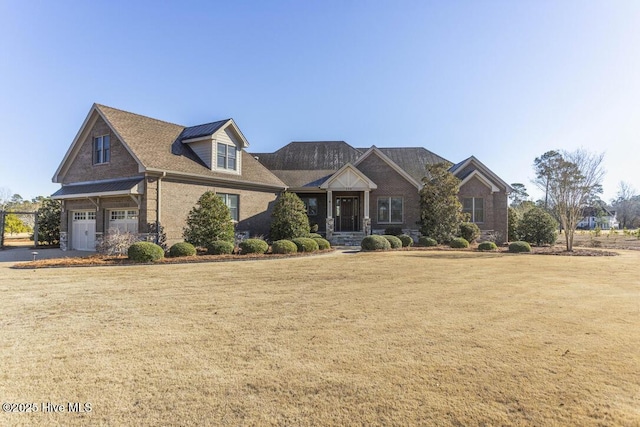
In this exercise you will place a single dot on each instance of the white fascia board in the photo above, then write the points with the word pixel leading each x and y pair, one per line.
pixel 372 185
pixel 236 129
pixel 486 181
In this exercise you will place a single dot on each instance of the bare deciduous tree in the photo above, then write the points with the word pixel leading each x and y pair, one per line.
pixel 571 180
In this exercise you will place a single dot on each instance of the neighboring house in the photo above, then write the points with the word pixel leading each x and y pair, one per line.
pixel 598 217
pixel 135 173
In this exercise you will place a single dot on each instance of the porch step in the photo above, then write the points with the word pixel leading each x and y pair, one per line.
pixel 347 238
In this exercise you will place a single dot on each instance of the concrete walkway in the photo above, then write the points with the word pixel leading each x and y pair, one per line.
pixel 18 254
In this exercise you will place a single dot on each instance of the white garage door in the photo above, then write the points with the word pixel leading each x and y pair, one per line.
pixel 83 231
pixel 124 220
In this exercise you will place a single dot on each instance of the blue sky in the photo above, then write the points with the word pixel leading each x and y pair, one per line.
pixel 503 80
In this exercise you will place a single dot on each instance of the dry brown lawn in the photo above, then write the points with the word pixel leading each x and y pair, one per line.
pixel 395 338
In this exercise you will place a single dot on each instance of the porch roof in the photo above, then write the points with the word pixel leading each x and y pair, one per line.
pixel 100 189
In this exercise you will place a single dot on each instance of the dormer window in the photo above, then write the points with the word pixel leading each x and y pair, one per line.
pixel 101 149
pixel 227 156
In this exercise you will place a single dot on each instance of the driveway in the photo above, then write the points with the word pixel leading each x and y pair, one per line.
pixel 17 254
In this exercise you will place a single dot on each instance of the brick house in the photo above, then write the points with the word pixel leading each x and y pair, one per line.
pixel 132 172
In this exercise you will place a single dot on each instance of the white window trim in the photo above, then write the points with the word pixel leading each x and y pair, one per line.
pixel 238 151
pixel 225 199
pixel 389 199
pixel 473 209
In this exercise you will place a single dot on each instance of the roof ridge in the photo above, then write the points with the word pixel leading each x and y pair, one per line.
pixel 209 123
pixel 139 115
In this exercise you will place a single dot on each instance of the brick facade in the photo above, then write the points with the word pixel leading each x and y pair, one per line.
pixel 390 183
pixel 122 164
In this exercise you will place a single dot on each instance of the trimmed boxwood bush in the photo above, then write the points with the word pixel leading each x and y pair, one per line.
pixel 315 236
pixel 182 249
pixel 323 244
pixel 375 243
pixel 519 247
pixel 393 241
pixel 306 244
pixel 145 252
pixel 427 241
pixel 253 246
pixel 469 231
pixel 406 240
pixel 487 246
pixel 220 247
pixel 459 243
pixel 284 247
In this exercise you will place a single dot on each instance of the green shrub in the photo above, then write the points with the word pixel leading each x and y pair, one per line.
pixel 145 252
pixel 406 240
pixel 517 247
pixel 253 246
pixel 289 218
pixel 487 246
pixel 182 249
pixel 220 247
pixel 323 244
pixel 284 247
pixel 375 243
pixel 427 241
pixel 459 243
pixel 393 241
pixel 468 231
pixel 393 231
pixel 306 244
pixel 315 236
pixel 537 226
pixel 209 221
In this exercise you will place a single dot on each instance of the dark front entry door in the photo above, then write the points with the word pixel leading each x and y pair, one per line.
pixel 347 214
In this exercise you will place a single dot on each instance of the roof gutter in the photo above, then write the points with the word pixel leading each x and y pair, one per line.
pixel 232 181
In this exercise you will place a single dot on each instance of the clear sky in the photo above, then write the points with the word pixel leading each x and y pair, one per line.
pixel 505 81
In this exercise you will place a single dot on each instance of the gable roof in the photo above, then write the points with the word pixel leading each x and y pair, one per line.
pixel 486 173
pixel 202 130
pixel 413 160
pixel 157 147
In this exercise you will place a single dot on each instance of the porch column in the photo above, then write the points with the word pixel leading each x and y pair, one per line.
pixel 329 226
pixel 366 226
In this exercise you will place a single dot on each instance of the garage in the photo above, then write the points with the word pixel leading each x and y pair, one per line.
pixel 83 231
pixel 126 221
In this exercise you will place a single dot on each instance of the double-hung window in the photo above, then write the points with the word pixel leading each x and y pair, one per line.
pixel 474 207
pixel 231 200
pixel 227 156
pixel 101 149
pixel 390 210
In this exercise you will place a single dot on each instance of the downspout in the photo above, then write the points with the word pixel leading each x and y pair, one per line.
pixel 159 206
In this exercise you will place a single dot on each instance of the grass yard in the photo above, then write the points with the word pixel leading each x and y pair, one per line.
pixel 395 338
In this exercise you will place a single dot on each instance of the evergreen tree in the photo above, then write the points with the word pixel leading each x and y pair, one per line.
pixel 49 222
pixel 289 218
pixel 440 209
pixel 209 221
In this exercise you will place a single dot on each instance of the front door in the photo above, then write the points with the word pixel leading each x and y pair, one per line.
pixel 347 214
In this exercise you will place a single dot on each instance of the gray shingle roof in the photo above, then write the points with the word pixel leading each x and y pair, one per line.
pixel 315 155
pixel 413 160
pixel 157 145
pixel 102 187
